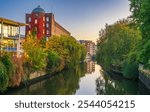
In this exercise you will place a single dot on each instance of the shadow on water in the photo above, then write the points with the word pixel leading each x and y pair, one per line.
pixel 66 82
pixel 87 79
pixel 113 84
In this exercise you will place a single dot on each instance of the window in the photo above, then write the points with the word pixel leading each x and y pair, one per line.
pixel 47 18
pixel 47 31
pixel 47 25
pixel 35 21
pixel 29 19
pixel 43 18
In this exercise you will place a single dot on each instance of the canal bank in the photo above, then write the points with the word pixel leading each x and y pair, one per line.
pixel 86 79
pixel 144 76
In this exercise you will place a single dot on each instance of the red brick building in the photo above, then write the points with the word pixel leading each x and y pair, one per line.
pixel 43 24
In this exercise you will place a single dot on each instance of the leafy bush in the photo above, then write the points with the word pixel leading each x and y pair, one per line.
pixel 35 54
pixel 18 75
pixel 130 70
pixel 68 49
pixel 140 12
pixel 53 62
pixel 7 61
pixel 116 43
pixel 4 78
pixel 144 54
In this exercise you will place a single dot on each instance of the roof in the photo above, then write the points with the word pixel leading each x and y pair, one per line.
pixel 58 25
pixel 11 22
pixel 38 10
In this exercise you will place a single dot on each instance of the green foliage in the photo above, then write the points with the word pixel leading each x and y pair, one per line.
pixel 53 55
pixel 53 62
pixel 117 46
pixel 69 50
pixel 7 61
pixel 59 52
pixel 144 54
pixel 35 54
pixel 130 70
pixel 140 12
pixel 4 78
pixel 116 43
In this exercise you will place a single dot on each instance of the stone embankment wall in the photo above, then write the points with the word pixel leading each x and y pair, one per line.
pixel 36 74
pixel 144 76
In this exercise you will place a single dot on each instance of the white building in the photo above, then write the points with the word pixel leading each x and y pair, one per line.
pixel 10 38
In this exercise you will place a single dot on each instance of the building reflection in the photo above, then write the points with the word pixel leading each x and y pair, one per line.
pixel 89 66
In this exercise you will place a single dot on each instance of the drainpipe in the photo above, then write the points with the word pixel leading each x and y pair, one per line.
pixel 18 49
pixel 2 36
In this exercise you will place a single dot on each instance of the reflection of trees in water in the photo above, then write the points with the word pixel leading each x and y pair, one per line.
pixel 100 86
pixel 107 85
pixel 64 83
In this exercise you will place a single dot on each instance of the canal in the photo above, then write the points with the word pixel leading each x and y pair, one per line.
pixel 84 79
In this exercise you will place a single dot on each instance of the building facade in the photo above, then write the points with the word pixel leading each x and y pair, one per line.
pixel 10 37
pixel 43 24
pixel 90 47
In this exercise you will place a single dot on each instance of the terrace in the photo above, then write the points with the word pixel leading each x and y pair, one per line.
pixel 10 37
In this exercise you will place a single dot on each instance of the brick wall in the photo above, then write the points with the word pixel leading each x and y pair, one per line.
pixel 46 25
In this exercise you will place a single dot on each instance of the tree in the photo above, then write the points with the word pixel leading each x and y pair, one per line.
pixel 116 43
pixel 34 53
pixel 70 52
pixel 140 13
pixel 4 77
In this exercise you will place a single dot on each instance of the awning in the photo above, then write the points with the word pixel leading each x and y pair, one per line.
pixel 11 22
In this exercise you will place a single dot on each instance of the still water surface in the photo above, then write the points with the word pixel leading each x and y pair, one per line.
pixel 84 79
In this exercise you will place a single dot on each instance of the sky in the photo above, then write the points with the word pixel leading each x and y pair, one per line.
pixel 83 18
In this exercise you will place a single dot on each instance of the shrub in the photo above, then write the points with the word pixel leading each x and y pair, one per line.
pixel 18 75
pixel 4 78
pixel 35 54
pixel 54 63
pixel 130 70
pixel 6 60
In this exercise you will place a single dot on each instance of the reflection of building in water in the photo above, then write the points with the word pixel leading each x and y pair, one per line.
pixel 90 66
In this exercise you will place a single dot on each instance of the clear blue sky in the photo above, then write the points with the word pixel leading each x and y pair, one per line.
pixel 83 18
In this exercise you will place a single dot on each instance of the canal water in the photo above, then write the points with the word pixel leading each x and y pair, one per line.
pixel 84 79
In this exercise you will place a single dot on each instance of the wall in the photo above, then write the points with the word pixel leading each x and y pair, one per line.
pixel 59 30
pixel 144 76
pixel 145 80
pixel 36 74
pixel 46 25
pixel 38 26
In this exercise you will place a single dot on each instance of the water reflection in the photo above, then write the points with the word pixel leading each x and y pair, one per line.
pixel 66 82
pixel 112 84
pixel 85 79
